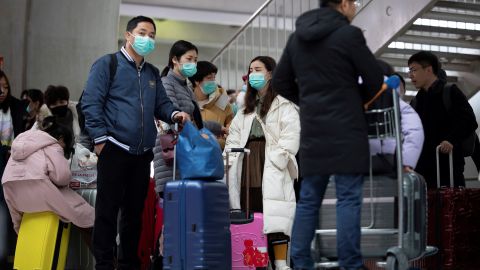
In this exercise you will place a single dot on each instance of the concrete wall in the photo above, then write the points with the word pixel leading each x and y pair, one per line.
pixel 55 41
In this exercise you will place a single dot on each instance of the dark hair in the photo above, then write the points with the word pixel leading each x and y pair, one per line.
pixel 24 93
pixel 178 49
pixel 442 74
pixel 251 95
pixel 330 3
pixel 231 91
pixel 35 95
pixel 132 24
pixel 426 59
pixel 402 80
pixel 5 105
pixel 55 93
pixel 204 68
pixel 386 68
pixel 58 131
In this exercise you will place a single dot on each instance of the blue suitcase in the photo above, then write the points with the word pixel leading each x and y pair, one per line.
pixel 197 226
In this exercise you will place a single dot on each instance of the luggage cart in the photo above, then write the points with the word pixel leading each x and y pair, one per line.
pixel 392 244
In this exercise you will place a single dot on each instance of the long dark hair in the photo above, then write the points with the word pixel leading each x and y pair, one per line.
pixel 251 95
pixel 178 49
pixel 5 105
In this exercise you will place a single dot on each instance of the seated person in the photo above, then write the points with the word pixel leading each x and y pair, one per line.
pixel 37 176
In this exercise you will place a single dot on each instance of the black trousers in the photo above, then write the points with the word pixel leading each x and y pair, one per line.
pixel 122 184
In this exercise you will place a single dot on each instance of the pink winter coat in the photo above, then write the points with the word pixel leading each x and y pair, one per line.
pixel 36 179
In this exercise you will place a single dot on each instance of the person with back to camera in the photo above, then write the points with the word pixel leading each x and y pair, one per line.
pixel 37 176
pixel 269 126
pixel 319 70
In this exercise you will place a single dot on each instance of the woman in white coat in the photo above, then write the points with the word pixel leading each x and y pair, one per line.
pixel 269 126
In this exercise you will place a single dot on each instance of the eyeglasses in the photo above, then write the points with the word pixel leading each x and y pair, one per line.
pixel 414 70
pixel 357 3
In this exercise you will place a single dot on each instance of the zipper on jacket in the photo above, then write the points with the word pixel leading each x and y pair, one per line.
pixel 141 106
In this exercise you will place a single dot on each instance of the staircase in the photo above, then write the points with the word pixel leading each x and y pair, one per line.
pixel 265 33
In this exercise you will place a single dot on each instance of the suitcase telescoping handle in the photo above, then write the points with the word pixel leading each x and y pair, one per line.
pixel 450 165
pixel 175 135
pixel 247 184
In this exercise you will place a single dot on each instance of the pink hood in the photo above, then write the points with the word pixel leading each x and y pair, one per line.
pixel 29 142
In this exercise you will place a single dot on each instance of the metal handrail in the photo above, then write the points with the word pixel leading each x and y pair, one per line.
pixel 232 58
pixel 240 31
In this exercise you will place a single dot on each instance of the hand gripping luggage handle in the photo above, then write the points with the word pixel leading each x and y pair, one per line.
pixel 450 163
pixel 247 184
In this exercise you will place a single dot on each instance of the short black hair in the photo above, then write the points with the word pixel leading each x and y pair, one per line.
pixel 231 91
pixel 35 95
pixel 426 59
pixel 330 3
pixel 24 93
pixel 204 68
pixel 132 24
pixel 56 93
pixel 386 68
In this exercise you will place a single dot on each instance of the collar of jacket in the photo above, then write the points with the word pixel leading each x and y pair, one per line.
pixel 435 88
pixel 171 74
pixel 130 58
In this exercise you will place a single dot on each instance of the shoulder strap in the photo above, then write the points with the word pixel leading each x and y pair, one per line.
pixel 413 103
pixel 447 96
pixel 113 68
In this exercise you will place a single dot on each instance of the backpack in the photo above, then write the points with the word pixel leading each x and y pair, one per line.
pixel 468 144
pixel 113 69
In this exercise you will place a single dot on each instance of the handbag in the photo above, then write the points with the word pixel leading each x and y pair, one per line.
pixel 167 142
pixel 199 156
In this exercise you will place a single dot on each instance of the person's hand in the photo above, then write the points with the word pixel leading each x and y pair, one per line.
pixel 446 147
pixel 181 117
pixel 224 131
pixel 98 148
pixel 407 169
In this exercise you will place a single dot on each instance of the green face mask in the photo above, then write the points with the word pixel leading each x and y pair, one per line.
pixel 143 45
pixel 188 69
pixel 208 87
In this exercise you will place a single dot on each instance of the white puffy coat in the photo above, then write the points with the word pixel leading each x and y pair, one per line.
pixel 282 135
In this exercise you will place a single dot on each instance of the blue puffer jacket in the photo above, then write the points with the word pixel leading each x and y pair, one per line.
pixel 125 110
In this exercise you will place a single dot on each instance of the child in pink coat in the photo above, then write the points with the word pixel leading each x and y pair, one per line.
pixel 37 175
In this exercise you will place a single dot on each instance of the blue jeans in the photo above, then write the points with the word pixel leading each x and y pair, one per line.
pixel 349 204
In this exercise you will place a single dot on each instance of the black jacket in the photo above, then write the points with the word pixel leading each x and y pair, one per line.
pixel 442 125
pixel 319 70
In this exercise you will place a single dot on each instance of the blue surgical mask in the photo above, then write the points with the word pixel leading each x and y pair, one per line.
pixel 234 108
pixel 188 69
pixel 143 45
pixel 257 80
pixel 28 109
pixel 208 87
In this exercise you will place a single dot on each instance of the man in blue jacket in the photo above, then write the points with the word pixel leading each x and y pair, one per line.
pixel 119 117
